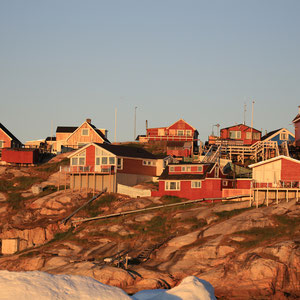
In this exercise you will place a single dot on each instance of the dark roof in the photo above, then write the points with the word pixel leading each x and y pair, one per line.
pixel 296 118
pixel 100 133
pixel 68 129
pixel 165 174
pixel 127 151
pixel 269 134
pixel 9 133
pixel 50 138
pixel 240 125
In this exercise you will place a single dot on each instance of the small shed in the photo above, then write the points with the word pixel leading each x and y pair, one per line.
pixel 22 156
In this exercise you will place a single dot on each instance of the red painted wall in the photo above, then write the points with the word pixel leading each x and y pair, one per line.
pixel 224 134
pixel 211 188
pixel 290 170
pixel 6 139
pixel 243 183
pixel 90 156
pixel 297 133
pixel 20 156
pixel 135 166
pixel 182 152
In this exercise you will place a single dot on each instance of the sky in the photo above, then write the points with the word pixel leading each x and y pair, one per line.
pixel 62 61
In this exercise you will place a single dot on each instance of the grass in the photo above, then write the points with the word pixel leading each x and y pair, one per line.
pixel 30 254
pixel 168 199
pixel 53 167
pixel 227 214
pixel 59 236
pixel 18 183
pixel 286 226
pixel 15 200
pixel 94 208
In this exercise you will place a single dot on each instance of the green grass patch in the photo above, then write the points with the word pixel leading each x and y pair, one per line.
pixel 18 183
pixel 227 214
pixel 53 167
pixel 59 236
pixel 94 208
pixel 15 200
pixel 168 199
pixel 5 185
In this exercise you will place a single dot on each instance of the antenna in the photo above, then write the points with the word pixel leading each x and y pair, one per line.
pixel 245 109
pixel 252 120
pixel 115 125
pixel 134 123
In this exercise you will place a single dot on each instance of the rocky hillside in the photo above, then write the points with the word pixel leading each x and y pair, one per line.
pixel 245 253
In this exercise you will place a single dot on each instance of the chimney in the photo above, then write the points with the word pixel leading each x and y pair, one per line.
pixel 146 124
pixel 89 121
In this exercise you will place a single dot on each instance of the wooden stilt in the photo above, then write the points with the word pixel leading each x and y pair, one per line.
pixel 267 196
pixel 276 191
pixel 256 198
pixel 287 195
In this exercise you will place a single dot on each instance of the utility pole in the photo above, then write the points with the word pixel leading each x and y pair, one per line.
pixel 245 109
pixel 252 120
pixel 115 125
pixel 134 123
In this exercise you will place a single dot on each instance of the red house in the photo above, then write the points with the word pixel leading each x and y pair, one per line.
pixel 7 139
pixel 20 156
pixel 240 135
pixel 193 181
pixel 127 165
pixel 180 138
pixel 296 122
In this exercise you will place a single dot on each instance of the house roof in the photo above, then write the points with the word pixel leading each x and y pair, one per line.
pixel 50 138
pixel 127 151
pixel 8 133
pixel 274 132
pixel 67 129
pixel 121 151
pixel 297 118
pixel 183 121
pixel 99 132
pixel 238 125
pixel 274 159
pixel 166 176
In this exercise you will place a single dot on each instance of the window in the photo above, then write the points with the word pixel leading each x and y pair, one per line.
pixel 234 134
pixel 182 169
pixel 79 159
pixel 189 132
pixel 200 169
pixel 225 183
pixel 148 163
pixel 104 160
pixel 248 135
pixel 172 185
pixel 172 169
pixel 98 160
pixel 84 131
pixel 196 184
pixel 1 144
pixel 161 132
pixel 180 132
pixel 188 168
pixel 120 163
pixel 283 137
pixel 256 135
pixel 172 132
pixel 111 160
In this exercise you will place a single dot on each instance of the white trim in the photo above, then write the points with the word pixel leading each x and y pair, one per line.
pixel 278 132
pixel 196 187
pixel 82 128
pixel 274 159
pixel 167 185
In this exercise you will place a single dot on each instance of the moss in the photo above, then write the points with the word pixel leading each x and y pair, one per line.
pixel 15 200
pixel 224 215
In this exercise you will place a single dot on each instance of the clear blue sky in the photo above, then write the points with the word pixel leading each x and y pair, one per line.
pixel 62 61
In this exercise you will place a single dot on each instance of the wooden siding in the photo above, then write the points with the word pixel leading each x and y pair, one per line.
pixel 290 170
pixel 6 139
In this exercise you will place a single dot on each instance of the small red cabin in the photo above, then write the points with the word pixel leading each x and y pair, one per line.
pixel 20 156
pixel 240 134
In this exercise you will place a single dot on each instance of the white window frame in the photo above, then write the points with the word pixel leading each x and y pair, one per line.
pixel 248 135
pixel 81 159
pixel 148 163
pixel 284 136
pixel 188 169
pixel 172 169
pixel 225 183
pixel 183 169
pixel 2 144
pixel 196 184
pixel 179 131
pixel 188 132
pixel 85 130
pixel 168 185
pixel 256 136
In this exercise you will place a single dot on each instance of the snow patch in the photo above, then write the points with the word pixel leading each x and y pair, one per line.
pixel 44 286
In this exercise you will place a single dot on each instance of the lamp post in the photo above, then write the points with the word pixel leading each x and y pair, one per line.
pixel 134 123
